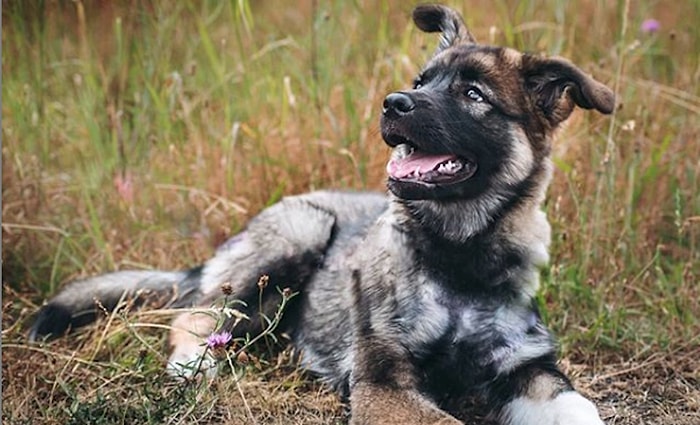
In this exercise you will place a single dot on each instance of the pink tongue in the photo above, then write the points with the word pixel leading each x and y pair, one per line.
pixel 416 161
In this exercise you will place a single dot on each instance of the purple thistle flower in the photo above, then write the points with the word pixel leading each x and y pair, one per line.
pixel 218 340
pixel 650 26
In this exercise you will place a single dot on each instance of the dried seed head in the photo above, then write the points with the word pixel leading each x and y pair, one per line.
pixel 226 288
pixel 287 292
pixel 242 358
pixel 263 281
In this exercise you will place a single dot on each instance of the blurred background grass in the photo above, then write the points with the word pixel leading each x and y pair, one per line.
pixel 143 133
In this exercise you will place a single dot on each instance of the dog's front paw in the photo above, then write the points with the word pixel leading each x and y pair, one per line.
pixel 568 408
pixel 376 405
pixel 571 408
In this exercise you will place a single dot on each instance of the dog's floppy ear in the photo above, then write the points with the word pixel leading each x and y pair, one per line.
pixel 558 86
pixel 438 18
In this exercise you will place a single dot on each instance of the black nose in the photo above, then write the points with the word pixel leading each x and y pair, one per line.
pixel 397 104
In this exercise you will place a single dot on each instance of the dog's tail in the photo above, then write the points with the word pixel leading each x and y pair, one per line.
pixel 81 301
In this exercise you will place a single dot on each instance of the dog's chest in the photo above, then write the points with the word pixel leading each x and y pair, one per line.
pixel 431 316
pixel 459 332
pixel 423 317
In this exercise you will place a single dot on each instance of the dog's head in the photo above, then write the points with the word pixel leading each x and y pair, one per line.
pixel 478 119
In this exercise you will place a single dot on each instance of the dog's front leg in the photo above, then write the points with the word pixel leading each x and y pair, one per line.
pixel 383 387
pixel 543 396
pixel 383 391
pixel 189 354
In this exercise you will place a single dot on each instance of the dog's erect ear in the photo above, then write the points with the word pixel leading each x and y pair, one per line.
pixel 438 18
pixel 558 86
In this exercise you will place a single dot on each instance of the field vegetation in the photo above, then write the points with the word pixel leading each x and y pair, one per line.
pixel 141 134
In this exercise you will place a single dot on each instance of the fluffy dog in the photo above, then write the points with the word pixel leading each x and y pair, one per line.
pixel 418 305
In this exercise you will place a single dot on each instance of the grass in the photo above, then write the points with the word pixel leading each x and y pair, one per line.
pixel 142 134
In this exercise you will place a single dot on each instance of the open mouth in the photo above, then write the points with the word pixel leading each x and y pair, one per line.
pixel 430 169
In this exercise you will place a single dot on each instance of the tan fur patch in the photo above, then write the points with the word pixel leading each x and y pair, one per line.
pixel 512 57
pixel 376 405
pixel 520 164
pixel 486 59
pixel 188 331
pixel 543 387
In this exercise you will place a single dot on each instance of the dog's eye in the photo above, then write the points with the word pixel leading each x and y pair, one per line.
pixel 418 83
pixel 474 94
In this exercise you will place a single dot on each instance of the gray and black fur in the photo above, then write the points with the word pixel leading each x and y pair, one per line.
pixel 418 307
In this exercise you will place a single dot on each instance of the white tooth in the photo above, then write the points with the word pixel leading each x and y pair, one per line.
pixel 449 167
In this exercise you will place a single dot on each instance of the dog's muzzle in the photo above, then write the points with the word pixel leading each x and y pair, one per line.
pixel 420 168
